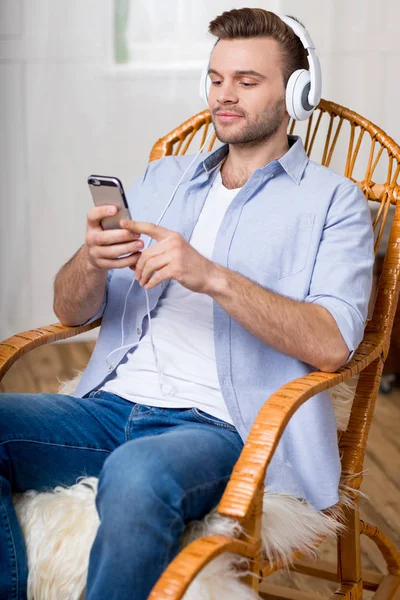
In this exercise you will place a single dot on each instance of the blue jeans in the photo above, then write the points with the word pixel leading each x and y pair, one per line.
pixel 158 469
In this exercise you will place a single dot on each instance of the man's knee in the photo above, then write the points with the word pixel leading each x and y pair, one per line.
pixel 135 478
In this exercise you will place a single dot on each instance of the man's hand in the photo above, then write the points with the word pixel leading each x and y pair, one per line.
pixel 171 258
pixel 105 247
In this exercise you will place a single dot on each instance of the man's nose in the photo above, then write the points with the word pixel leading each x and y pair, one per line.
pixel 227 93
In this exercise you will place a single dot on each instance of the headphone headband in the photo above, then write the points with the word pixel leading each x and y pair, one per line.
pixel 299 30
pixel 314 95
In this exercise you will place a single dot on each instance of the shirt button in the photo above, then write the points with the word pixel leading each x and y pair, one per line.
pixel 138 331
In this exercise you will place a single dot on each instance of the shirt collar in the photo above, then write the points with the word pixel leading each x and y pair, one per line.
pixel 293 162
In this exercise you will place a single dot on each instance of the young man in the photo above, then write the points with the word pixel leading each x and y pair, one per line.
pixel 260 272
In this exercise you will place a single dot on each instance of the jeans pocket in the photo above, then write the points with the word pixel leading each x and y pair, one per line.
pixel 204 417
pixel 140 410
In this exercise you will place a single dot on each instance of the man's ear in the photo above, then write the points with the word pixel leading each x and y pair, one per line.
pixel 286 116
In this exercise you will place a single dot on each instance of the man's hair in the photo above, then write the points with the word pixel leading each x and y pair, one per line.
pixel 257 22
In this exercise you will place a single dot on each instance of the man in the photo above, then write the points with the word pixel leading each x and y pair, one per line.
pixel 260 272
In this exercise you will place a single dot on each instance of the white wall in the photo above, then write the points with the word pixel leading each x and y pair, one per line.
pixel 67 111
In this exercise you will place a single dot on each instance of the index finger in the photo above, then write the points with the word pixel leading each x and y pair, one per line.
pixel 156 232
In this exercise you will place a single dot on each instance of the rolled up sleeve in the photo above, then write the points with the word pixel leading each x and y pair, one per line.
pixel 103 304
pixel 343 270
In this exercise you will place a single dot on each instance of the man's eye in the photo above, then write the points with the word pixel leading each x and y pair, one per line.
pixel 248 84
pixel 215 82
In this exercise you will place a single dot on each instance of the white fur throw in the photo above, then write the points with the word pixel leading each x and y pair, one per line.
pixel 59 528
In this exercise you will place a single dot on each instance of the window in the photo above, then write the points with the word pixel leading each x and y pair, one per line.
pixel 167 34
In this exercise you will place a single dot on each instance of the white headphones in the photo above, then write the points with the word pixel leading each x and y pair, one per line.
pixel 304 88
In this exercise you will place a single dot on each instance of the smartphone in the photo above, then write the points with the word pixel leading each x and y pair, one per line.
pixel 109 190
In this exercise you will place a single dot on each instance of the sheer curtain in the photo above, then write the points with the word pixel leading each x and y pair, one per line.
pixel 53 113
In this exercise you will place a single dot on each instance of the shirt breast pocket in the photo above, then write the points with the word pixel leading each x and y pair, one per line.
pixel 283 246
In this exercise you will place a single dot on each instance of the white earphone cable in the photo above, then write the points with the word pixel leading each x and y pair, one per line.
pixel 159 370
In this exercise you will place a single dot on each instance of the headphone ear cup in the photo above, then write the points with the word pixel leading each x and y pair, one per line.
pixel 297 91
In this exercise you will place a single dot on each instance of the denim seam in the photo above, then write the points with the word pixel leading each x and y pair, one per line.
pixel 54 444
pixel 211 422
pixel 12 540
pixel 184 496
pixel 166 561
pixel 132 414
pixel 128 422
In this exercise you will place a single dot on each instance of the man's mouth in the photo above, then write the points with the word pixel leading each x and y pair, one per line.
pixel 227 117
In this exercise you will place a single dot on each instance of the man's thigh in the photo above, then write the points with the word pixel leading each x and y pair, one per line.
pixel 188 465
pixel 51 439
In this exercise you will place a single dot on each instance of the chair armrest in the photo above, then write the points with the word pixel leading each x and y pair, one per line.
pixel 179 574
pixel 21 343
pixel 268 427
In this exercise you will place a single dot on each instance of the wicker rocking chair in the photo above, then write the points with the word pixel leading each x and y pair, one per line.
pixel 368 155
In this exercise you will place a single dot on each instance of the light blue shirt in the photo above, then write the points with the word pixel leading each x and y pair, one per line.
pixel 295 228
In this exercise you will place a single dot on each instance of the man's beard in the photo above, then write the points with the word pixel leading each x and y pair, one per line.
pixel 261 129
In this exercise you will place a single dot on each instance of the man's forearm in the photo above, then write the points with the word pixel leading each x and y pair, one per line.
pixel 307 332
pixel 78 289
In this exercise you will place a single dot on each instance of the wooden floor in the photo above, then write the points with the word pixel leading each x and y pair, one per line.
pixel 44 368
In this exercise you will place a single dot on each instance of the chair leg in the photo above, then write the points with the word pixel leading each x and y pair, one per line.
pixel 349 560
pixel 349 591
pixel 349 550
pixel 252 529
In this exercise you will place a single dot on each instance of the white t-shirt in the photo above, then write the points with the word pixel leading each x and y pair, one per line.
pixel 183 334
